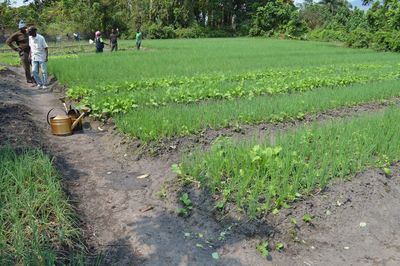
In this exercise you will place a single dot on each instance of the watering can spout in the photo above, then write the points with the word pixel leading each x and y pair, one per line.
pixel 85 110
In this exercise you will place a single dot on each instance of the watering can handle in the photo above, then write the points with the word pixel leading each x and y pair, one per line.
pixel 48 121
pixel 48 114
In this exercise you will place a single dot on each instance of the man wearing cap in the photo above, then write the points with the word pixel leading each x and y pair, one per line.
pixel 21 39
pixel 39 56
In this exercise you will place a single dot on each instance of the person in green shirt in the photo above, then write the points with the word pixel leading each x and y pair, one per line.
pixel 138 39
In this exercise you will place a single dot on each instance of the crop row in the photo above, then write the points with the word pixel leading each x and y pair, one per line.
pixel 37 222
pixel 122 98
pixel 149 124
pixel 260 177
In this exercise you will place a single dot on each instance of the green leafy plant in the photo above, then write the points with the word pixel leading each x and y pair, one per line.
pixel 307 218
pixel 387 171
pixel 263 247
pixel 187 205
pixel 279 246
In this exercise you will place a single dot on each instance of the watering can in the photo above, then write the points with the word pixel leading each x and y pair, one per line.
pixel 63 124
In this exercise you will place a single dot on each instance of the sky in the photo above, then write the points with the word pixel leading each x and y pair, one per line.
pixel 15 2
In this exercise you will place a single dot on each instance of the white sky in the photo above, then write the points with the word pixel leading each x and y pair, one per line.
pixel 15 2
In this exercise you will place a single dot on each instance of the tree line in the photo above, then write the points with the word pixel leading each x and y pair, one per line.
pixel 330 20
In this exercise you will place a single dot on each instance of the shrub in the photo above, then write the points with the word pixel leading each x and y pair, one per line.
pixel 191 32
pixel 328 35
pixel 359 38
pixel 156 31
pixel 382 41
pixel 395 41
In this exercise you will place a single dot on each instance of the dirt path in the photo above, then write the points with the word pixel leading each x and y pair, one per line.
pixel 128 220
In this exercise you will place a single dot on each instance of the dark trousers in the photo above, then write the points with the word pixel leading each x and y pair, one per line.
pixel 138 44
pixel 114 46
pixel 26 65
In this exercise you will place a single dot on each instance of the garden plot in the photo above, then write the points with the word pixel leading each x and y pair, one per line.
pixel 249 195
pixel 184 87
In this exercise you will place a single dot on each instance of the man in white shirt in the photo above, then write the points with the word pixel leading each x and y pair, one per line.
pixel 39 56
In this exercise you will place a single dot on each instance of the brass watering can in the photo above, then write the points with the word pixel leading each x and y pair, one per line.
pixel 65 124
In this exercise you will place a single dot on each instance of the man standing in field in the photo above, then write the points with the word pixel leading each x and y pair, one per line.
pixel 21 38
pixel 114 40
pixel 39 56
pixel 138 39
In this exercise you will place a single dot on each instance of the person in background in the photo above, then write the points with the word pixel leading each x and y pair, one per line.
pixel 138 39
pixel 21 38
pixel 39 56
pixel 114 39
pixel 99 42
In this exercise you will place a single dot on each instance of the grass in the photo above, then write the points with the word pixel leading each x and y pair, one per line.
pixel 187 58
pixel 149 124
pixel 10 58
pixel 258 177
pixel 37 224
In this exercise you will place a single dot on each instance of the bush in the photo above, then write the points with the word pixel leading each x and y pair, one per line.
pixel 359 38
pixel 156 31
pixel 387 41
pixel 192 32
pixel 221 33
pixel 328 35
pixel 394 42
pixel 382 41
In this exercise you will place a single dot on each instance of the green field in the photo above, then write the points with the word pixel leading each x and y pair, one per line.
pixel 178 87
pixel 174 88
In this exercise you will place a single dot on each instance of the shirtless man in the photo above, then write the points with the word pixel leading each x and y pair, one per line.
pixel 21 39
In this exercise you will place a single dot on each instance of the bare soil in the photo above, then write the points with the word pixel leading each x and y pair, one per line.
pixel 131 217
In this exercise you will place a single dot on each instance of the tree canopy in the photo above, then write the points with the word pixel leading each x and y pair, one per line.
pixel 323 20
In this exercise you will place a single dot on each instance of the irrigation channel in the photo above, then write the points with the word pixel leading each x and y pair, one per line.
pixel 128 203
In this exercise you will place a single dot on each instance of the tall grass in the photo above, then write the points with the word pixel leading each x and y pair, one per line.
pixel 37 224
pixel 150 124
pixel 261 176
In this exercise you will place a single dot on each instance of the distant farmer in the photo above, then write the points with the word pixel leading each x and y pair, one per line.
pixel 77 36
pixel 138 39
pixel 21 39
pixel 114 39
pixel 99 42
pixel 39 56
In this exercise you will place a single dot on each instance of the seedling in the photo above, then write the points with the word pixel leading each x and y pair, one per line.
pixel 279 246
pixel 262 247
pixel 187 205
pixel 307 218
pixel 215 255
pixel 220 205
pixel 387 171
